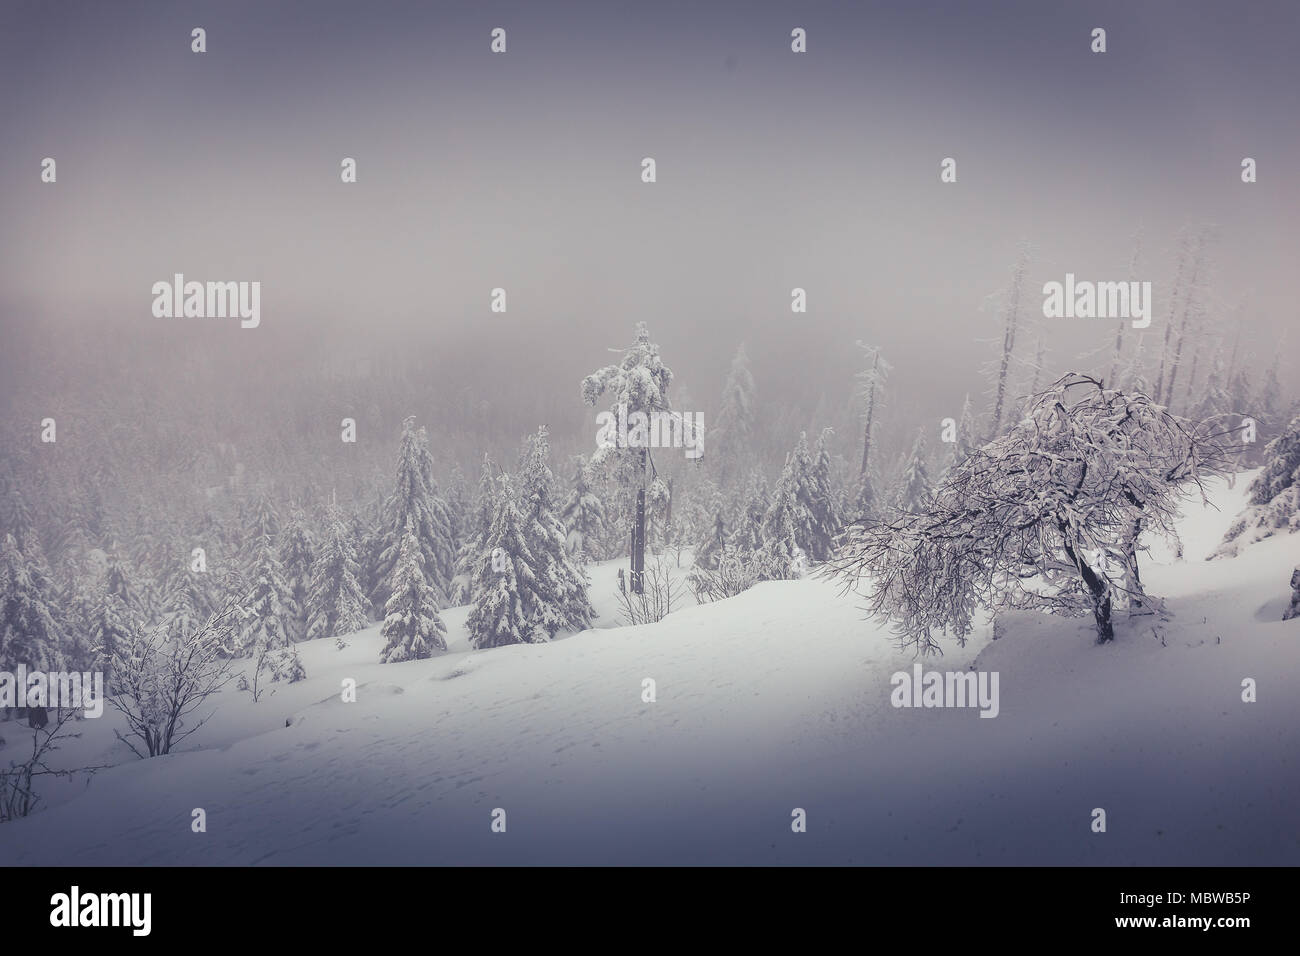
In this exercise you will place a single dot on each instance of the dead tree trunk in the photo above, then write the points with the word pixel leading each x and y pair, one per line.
pixel 638 534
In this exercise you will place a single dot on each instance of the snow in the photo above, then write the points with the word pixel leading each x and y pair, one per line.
pixel 773 700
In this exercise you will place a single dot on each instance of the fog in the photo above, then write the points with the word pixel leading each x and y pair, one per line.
pixel 522 171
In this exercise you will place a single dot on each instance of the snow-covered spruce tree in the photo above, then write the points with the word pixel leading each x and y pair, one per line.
pixel 369 529
pixel 747 528
pixel 297 553
pixel 187 597
pixel 732 436
pixel 73 604
pixel 475 531
pixel 780 556
pixel 637 385
pixel 118 577
pixel 822 501
pixel 15 514
pixel 1273 505
pixel 415 504
pixel 583 515
pixel 1213 399
pixel 412 628
pixel 1047 516
pixel 658 509
pixel 263 521
pixel 336 605
pixel 809 508
pixel 460 507
pixel 914 485
pixel 1271 408
pixel 709 551
pixel 503 580
pixel 695 507
pixel 1293 611
pixel 114 625
pixel 29 633
pixel 559 600
pixel 267 610
pixel 1241 390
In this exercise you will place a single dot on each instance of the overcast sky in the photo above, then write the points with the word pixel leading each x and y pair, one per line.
pixel 522 171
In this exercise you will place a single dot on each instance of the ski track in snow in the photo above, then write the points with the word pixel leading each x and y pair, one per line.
pixel 775 699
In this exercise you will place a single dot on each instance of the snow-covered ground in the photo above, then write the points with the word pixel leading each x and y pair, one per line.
pixel 774 700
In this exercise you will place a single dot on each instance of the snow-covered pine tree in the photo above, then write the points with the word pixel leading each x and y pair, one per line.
pixel 268 610
pixel 747 525
pixel 822 501
pixel 369 531
pixel 1214 397
pixel 73 604
pixel 637 384
pixel 710 550
pixel 1273 505
pixel 460 507
pixel 559 585
pixel 695 508
pixel 118 577
pixel 658 508
pixel 1135 376
pixel 1242 402
pixel 780 556
pixel 187 596
pixel 415 504
pixel 503 576
pixel 583 515
pixel 1241 391
pixel 336 605
pixel 113 626
pixel 732 436
pixel 412 628
pixel 29 633
pixel 476 531
pixel 808 527
pixel 15 514
pixel 1272 410
pixel 297 554
pixel 263 520
pixel 914 487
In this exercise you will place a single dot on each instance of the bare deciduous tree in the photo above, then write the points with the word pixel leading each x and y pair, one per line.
pixel 18 796
pixel 166 674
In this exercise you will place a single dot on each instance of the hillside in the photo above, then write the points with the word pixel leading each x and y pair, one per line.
pixel 776 699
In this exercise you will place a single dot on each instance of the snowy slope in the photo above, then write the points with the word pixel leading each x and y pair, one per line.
pixel 773 700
